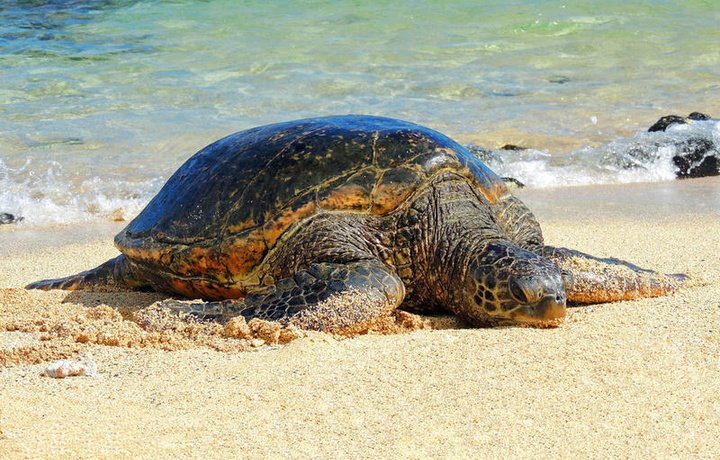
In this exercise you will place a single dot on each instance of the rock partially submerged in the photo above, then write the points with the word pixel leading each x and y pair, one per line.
pixel 664 122
pixel 7 218
pixel 696 156
pixel 685 147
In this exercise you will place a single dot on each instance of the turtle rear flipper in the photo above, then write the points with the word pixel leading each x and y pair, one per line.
pixel 115 274
pixel 329 297
pixel 598 280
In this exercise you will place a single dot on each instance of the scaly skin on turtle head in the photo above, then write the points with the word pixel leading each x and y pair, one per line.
pixel 508 284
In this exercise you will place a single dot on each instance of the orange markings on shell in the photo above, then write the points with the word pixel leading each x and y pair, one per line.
pixel 213 291
pixel 349 196
pixel 242 254
pixel 395 187
pixel 488 184
pixel 144 251
pixel 389 196
pixel 205 290
pixel 195 261
pixel 249 223
pixel 201 259
pixel 275 228
pixel 186 288
pixel 497 189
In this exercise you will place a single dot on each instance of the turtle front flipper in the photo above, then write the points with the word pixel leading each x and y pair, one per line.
pixel 114 275
pixel 597 280
pixel 329 297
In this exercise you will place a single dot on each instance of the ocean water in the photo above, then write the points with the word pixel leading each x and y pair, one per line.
pixel 101 101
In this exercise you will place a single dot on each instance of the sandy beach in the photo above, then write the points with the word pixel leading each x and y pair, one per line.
pixel 624 380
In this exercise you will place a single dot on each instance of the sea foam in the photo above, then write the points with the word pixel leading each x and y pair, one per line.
pixel 679 151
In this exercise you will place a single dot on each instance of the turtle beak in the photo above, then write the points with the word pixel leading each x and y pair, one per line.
pixel 540 300
pixel 549 308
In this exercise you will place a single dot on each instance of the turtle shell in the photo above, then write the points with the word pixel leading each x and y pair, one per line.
pixel 217 217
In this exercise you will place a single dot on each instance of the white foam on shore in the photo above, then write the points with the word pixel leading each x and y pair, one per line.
pixel 44 195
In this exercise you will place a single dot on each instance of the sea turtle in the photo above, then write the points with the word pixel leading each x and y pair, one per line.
pixel 331 223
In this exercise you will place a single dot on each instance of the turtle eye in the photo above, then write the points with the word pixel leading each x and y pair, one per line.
pixel 526 289
pixel 517 292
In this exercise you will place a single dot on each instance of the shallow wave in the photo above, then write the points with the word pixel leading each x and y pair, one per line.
pixel 682 150
pixel 43 194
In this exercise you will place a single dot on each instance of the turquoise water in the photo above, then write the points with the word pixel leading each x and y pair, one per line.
pixel 102 100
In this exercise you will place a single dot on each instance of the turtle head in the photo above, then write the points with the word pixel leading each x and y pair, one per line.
pixel 507 284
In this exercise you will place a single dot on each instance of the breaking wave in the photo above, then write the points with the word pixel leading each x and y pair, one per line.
pixel 690 148
pixel 39 194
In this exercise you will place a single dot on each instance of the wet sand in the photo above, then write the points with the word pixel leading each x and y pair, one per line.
pixel 624 380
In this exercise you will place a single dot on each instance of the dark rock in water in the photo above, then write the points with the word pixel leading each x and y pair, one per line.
pixel 663 123
pixel 512 147
pixel 699 116
pixel 558 79
pixel 697 158
pixel 485 155
pixel 686 147
pixel 494 157
pixel 7 218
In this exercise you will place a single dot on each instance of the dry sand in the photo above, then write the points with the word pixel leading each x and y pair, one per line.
pixel 622 380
